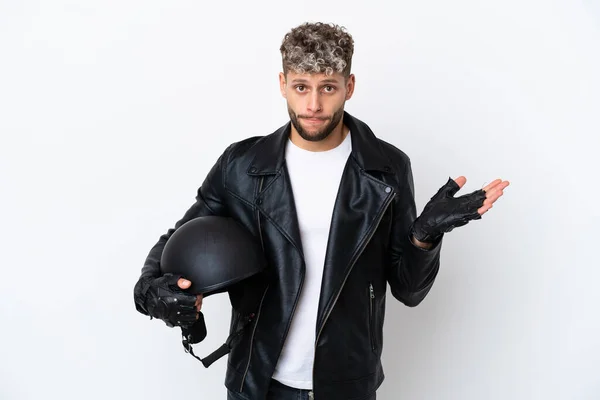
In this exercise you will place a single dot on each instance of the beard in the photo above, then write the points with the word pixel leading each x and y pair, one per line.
pixel 323 132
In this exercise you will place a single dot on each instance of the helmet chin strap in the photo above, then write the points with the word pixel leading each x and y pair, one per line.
pixel 221 351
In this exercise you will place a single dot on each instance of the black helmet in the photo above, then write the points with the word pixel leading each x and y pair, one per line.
pixel 217 254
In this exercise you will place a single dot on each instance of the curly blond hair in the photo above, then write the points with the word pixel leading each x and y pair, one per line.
pixel 317 48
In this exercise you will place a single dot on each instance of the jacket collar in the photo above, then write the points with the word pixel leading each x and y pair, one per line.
pixel 366 149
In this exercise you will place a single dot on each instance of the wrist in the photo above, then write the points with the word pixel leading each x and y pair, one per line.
pixel 423 238
pixel 423 245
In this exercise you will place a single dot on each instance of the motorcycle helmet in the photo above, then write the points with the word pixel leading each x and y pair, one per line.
pixel 217 255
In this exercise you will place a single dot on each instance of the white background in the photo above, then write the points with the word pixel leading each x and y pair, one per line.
pixel 112 113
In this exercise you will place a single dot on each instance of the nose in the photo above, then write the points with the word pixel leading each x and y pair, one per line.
pixel 314 102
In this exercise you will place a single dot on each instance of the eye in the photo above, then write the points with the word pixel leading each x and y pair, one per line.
pixel 329 89
pixel 300 88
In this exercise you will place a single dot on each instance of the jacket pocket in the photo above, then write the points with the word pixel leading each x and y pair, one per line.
pixel 372 325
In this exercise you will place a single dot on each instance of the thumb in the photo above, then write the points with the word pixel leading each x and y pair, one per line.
pixel 183 283
pixel 460 181
pixel 451 187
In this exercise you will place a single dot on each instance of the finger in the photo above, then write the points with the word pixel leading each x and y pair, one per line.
pixel 183 317
pixel 493 197
pixel 198 302
pixel 484 209
pixel 497 190
pixel 504 185
pixel 501 186
pixel 497 184
pixel 492 184
pixel 186 300
pixel 460 181
pixel 186 307
pixel 183 283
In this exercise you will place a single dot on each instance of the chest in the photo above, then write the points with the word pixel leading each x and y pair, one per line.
pixel 315 187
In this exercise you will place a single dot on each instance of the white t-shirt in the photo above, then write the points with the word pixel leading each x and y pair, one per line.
pixel 315 180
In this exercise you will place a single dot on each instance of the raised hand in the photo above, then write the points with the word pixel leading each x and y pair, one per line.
pixel 444 212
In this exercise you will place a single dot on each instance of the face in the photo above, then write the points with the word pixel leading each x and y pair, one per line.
pixel 315 102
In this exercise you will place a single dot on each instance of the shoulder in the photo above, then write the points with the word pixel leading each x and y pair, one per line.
pixel 393 153
pixel 401 167
pixel 242 149
pixel 397 159
pixel 376 148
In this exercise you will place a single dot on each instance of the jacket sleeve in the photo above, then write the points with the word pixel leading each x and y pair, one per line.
pixel 412 270
pixel 209 201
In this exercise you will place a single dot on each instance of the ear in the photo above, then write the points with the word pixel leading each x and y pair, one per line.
pixel 282 84
pixel 350 82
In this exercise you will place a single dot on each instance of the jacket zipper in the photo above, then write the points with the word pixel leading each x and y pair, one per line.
pixel 252 338
pixel 262 178
pixel 371 316
pixel 362 248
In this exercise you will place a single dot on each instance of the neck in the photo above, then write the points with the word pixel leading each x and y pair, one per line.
pixel 335 138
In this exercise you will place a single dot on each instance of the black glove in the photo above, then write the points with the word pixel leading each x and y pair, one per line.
pixel 444 212
pixel 195 333
pixel 164 300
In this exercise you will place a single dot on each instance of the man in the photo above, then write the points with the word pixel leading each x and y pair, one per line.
pixel 334 209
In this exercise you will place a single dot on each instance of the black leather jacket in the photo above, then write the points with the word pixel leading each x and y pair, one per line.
pixel 369 247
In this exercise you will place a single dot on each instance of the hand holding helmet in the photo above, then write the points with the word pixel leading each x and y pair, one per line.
pixel 216 255
pixel 166 301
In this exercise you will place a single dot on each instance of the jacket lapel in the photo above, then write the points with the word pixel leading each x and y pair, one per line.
pixel 359 206
pixel 276 202
pixel 275 198
pixel 361 202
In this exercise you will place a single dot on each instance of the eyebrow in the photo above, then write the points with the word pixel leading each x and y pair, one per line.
pixel 302 80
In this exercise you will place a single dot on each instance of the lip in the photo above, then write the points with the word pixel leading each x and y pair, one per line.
pixel 314 120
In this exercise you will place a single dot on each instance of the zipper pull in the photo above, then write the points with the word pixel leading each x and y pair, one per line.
pixel 371 290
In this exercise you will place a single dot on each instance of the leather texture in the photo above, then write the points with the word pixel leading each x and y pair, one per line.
pixel 444 212
pixel 196 332
pixel 164 300
pixel 369 248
